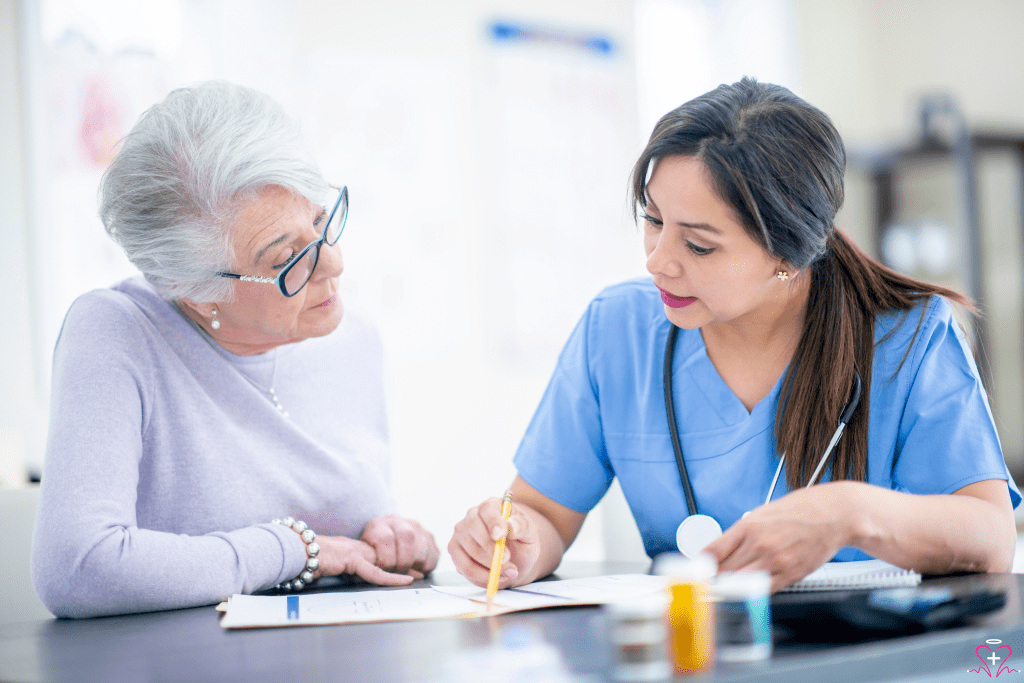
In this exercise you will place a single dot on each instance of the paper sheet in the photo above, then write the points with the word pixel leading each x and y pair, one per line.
pixel 248 611
pixel 595 590
pixel 439 602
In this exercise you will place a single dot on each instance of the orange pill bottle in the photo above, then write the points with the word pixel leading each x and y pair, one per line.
pixel 691 625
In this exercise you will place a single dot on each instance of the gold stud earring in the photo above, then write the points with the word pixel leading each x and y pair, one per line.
pixel 782 275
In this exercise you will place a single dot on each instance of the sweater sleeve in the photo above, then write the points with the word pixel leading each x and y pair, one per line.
pixel 89 556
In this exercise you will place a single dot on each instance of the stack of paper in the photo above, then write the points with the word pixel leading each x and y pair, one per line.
pixel 855 575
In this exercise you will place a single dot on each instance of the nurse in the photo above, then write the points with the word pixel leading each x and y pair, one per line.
pixel 777 317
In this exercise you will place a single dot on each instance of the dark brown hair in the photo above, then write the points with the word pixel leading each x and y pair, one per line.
pixel 779 163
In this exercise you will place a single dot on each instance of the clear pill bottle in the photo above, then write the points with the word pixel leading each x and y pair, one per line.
pixel 638 635
pixel 743 621
pixel 690 613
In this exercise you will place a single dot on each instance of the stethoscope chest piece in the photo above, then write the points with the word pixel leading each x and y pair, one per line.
pixel 695 533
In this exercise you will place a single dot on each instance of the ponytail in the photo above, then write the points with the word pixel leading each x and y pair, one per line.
pixel 848 290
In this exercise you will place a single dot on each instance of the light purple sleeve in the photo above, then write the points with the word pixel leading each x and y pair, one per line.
pixel 89 557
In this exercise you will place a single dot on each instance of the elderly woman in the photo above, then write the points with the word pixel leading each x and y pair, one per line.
pixel 216 427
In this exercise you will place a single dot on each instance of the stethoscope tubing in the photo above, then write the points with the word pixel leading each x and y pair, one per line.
pixel 673 430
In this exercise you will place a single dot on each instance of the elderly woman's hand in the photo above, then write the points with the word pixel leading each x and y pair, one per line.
pixel 402 545
pixel 343 555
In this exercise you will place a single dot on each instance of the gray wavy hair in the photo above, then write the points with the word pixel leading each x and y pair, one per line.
pixel 185 171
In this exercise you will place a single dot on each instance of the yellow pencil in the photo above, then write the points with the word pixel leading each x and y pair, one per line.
pixel 499 552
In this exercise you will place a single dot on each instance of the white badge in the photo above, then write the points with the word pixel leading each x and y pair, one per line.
pixel 695 533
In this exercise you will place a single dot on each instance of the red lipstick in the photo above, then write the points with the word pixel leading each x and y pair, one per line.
pixel 676 301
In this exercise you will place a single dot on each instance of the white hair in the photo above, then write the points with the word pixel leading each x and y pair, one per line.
pixel 185 171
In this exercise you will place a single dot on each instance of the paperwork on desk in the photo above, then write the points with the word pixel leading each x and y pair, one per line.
pixel 595 590
pixel 438 602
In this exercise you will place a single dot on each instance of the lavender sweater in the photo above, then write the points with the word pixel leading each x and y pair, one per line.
pixel 164 465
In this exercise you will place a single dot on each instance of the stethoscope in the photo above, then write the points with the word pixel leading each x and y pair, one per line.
pixel 697 530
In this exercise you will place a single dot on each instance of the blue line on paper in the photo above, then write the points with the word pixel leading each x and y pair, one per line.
pixel 546 595
pixel 293 606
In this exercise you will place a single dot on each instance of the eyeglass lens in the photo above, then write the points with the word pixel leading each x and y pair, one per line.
pixel 299 273
pixel 337 224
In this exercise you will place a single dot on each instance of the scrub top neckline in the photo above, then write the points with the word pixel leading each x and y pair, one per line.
pixel 719 394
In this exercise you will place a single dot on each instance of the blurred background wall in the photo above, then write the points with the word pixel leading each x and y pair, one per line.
pixel 486 145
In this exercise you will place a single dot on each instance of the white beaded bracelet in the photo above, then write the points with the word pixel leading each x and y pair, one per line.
pixel 312 550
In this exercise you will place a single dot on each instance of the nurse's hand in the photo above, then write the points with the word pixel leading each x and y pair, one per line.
pixel 402 546
pixel 472 544
pixel 789 537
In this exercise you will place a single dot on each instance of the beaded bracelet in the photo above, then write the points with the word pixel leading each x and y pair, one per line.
pixel 312 550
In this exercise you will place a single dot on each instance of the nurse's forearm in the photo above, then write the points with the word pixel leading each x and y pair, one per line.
pixel 934 534
pixel 552 547
pixel 553 525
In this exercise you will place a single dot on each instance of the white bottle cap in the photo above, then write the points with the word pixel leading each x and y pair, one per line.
pixel 674 565
pixel 742 585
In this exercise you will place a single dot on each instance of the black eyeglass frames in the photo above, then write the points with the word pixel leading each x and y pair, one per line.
pixel 297 272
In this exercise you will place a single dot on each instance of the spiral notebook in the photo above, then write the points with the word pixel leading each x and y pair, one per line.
pixel 854 575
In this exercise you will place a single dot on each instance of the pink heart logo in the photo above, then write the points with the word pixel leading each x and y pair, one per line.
pixel 994 658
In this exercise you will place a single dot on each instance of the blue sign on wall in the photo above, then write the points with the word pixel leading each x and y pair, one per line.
pixel 508 32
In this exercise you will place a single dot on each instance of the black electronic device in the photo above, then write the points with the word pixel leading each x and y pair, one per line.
pixel 830 616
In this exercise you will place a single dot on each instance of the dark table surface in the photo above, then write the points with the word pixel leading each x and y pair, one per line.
pixel 190 645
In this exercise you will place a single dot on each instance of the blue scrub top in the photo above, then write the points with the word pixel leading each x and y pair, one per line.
pixel 603 416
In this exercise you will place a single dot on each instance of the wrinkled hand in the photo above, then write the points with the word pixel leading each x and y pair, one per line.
pixel 472 544
pixel 343 555
pixel 401 545
pixel 789 537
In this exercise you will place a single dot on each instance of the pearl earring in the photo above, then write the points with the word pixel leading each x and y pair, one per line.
pixel 216 323
pixel 782 275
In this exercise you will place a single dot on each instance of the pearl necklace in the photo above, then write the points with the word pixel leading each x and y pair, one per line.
pixel 216 347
